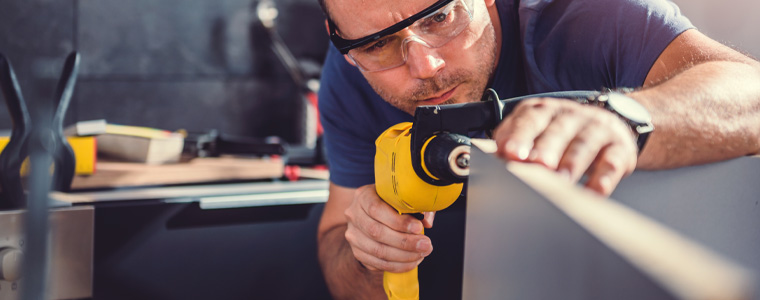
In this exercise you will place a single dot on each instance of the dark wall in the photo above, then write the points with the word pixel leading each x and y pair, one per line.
pixel 171 64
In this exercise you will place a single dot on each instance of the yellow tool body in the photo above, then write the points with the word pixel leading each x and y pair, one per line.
pixel 397 184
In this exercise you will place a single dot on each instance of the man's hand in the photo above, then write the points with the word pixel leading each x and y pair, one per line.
pixel 570 138
pixel 381 238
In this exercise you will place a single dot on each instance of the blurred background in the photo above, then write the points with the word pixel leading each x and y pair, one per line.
pixel 169 64
pixel 179 64
pixel 731 22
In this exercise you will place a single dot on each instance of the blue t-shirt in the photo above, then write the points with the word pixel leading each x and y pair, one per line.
pixel 548 45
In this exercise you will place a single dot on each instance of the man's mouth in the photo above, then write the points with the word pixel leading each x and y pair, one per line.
pixel 438 99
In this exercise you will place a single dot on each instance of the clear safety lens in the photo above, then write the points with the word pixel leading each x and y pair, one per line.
pixel 434 30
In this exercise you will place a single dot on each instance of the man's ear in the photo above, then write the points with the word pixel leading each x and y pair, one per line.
pixel 490 3
pixel 327 28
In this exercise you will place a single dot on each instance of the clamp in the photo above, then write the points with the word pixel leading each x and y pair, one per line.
pixel 45 137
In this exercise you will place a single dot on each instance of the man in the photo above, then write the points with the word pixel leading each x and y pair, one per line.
pixel 398 54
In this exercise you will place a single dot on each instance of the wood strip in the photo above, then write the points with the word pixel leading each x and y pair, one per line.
pixel 685 268
pixel 198 170
pixel 531 233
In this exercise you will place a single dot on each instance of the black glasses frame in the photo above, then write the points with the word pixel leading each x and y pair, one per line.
pixel 345 45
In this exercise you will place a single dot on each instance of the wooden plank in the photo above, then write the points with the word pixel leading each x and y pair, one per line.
pixel 532 235
pixel 716 204
pixel 195 192
pixel 198 170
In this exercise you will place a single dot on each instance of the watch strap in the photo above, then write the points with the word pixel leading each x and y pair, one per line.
pixel 640 130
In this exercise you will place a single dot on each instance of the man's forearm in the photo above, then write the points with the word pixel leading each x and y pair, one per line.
pixel 345 276
pixel 707 113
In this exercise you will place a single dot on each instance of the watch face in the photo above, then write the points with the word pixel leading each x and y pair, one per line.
pixel 629 108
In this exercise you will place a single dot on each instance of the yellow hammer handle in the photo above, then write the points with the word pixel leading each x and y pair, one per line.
pixel 402 286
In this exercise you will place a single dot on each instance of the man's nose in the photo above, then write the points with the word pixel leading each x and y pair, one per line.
pixel 423 61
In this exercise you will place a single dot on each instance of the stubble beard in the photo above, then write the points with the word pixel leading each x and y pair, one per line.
pixel 475 79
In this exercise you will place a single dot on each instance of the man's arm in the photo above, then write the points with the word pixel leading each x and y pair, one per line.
pixel 360 236
pixel 705 103
pixel 704 99
pixel 344 275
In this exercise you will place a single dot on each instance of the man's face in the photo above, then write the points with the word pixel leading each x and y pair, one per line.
pixel 455 72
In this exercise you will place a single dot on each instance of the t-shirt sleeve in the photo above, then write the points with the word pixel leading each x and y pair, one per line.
pixel 578 44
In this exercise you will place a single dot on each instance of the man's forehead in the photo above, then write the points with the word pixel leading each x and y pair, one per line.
pixel 358 18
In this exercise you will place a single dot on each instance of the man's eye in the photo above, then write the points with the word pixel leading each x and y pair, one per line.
pixel 437 20
pixel 377 46
pixel 440 17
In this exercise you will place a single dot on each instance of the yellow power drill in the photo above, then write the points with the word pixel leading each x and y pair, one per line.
pixel 421 166
pixel 398 185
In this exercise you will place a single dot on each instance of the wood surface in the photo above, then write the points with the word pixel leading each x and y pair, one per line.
pixel 111 174
pixel 685 268
pixel 548 238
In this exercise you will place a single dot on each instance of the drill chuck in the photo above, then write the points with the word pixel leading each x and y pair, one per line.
pixel 446 157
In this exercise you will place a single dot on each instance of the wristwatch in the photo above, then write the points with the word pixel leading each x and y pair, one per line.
pixel 630 111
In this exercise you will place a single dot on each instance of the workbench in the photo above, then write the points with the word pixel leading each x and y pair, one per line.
pixel 214 229
pixel 226 241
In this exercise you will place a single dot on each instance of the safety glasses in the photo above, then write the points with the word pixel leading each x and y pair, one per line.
pixel 433 27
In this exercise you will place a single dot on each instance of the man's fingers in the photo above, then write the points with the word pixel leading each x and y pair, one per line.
pixel 369 229
pixel 581 152
pixel 571 138
pixel 549 147
pixel 515 135
pixel 377 209
pixel 374 263
pixel 414 248
pixel 427 221
pixel 608 169
pixel 380 237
